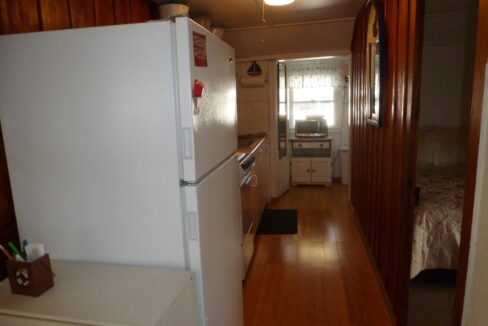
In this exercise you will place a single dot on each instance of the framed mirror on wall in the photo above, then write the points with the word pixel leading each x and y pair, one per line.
pixel 282 111
pixel 376 62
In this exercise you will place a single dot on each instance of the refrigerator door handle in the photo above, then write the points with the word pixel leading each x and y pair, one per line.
pixel 187 144
pixel 192 226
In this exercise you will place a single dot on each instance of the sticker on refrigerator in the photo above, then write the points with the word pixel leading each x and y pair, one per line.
pixel 200 49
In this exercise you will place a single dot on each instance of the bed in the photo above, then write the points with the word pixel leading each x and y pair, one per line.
pixel 438 215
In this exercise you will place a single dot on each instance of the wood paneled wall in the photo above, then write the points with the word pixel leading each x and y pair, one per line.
pixel 20 16
pixel 383 159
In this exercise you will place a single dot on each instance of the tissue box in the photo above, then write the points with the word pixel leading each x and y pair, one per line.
pixel 30 278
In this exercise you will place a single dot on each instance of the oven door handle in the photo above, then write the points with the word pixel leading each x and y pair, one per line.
pixel 254 180
pixel 247 179
pixel 251 180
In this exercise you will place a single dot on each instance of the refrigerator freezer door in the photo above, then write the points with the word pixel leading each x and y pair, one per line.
pixel 89 126
pixel 209 132
pixel 214 233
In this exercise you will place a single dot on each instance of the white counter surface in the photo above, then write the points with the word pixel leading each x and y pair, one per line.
pixel 103 294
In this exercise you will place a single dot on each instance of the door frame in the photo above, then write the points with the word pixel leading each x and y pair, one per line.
pixel 481 56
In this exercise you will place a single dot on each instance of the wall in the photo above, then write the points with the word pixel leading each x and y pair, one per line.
pixel 442 146
pixel 20 16
pixel 292 40
pixel 253 102
pixel 446 84
pixel 383 159
pixel 442 98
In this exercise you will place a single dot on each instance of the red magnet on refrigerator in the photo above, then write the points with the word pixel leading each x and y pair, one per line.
pixel 197 88
pixel 197 93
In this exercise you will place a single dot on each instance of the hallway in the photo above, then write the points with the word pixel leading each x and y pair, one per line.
pixel 320 276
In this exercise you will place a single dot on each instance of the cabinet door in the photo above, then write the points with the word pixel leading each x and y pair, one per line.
pixel 321 170
pixel 300 170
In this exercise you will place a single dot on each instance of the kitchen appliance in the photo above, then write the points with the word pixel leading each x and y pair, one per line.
pixel 316 127
pixel 249 198
pixel 120 145
pixel 246 163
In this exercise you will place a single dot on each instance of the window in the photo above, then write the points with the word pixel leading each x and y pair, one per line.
pixel 312 102
pixel 314 88
pixel 282 97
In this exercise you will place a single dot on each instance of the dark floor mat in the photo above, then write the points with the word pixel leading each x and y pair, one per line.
pixel 279 221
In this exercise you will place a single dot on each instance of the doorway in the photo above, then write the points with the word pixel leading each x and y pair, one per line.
pixel 442 153
pixel 317 89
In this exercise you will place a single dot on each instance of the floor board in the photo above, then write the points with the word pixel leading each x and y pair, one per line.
pixel 320 276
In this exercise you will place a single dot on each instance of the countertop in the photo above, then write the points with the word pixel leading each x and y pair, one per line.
pixel 102 294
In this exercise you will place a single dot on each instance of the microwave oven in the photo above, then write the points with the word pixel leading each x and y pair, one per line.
pixel 311 128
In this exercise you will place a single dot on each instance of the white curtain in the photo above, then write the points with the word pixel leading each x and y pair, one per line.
pixel 311 77
pixel 314 88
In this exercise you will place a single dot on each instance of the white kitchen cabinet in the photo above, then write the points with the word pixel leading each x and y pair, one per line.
pixel 104 294
pixel 321 170
pixel 311 161
pixel 300 170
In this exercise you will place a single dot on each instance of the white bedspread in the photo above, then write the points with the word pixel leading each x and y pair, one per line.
pixel 437 228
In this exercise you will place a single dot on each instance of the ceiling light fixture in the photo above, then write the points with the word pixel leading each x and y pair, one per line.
pixel 278 2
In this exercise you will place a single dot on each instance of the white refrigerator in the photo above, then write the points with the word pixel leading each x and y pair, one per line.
pixel 113 157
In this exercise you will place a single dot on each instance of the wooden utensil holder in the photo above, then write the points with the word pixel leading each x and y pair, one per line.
pixel 30 278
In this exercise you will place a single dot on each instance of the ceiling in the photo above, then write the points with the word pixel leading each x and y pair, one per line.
pixel 248 13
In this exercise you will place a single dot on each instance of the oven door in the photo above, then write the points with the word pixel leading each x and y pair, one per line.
pixel 249 195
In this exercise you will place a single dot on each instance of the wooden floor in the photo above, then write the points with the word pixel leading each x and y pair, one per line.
pixel 320 276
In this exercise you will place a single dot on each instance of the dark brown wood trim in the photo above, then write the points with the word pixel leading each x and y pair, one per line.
pixel 481 58
pixel 8 223
pixel 412 103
